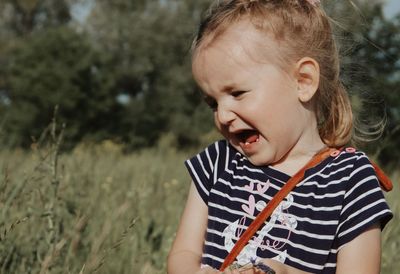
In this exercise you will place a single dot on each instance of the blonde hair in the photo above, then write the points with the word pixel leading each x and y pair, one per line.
pixel 302 29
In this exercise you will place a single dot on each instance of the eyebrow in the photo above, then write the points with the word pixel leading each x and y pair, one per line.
pixel 227 88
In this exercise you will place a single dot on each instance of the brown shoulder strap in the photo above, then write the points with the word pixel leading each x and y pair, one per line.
pixel 384 180
pixel 267 211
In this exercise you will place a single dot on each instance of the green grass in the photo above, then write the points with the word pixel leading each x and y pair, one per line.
pixel 102 211
pixel 99 210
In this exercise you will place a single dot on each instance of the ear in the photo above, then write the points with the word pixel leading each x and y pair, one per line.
pixel 307 76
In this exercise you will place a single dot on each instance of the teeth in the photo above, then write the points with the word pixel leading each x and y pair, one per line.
pixel 248 143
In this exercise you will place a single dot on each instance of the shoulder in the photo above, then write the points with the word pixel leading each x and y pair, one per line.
pixel 363 202
pixel 349 157
pixel 207 166
pixel 345 170
pixel 353 164
pixel 347 163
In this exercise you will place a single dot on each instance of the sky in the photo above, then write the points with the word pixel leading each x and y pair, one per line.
pixel 81 11
pixel 391 8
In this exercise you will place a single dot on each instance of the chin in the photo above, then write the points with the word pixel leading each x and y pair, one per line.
pixel 259 161
pixel 256 159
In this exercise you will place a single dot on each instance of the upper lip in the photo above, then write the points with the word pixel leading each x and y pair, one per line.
pixel 238 135
pixel 238 131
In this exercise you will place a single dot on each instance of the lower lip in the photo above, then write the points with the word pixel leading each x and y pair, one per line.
pixel 249 147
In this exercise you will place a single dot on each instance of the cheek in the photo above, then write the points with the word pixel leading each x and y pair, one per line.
pixel 217 124
pixel 216 119
pixel 277 107
pixel 263 108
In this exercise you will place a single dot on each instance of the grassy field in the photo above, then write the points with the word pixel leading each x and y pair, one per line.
pixel 98 210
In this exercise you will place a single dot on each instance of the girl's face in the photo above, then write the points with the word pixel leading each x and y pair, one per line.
pixel 256 104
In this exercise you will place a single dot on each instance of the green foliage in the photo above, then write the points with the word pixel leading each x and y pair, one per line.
pixel 82 213
pixel 371 72
pixel 382 56
pixel 25 16
pixel 98 210
pixel 150 44
pixel 125 73
pixel 138 51
pixel 57 67
pixel 125 76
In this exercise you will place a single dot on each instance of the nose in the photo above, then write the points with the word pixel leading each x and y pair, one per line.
pixel 224 115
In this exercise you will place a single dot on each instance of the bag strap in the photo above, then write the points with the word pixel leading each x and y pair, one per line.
pixel 385 182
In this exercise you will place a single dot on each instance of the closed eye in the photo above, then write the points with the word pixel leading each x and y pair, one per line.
pixel 237 93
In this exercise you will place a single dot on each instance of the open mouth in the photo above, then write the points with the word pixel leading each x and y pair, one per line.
pixel 247 137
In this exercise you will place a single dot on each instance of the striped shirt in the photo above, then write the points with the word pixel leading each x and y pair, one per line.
pixel 335 202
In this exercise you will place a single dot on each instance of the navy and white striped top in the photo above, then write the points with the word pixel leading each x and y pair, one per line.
pixel 335 202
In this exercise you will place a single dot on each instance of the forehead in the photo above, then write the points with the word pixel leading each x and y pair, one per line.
pixel 240 45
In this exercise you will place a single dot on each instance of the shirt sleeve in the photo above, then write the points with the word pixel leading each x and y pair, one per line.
pixel 364 203
pixel 205 167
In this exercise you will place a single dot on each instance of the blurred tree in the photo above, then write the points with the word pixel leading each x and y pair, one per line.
pixel 57 67
pixel 20 20
pixel 370 54
pixel 378 52
pixel 125 73
pixel 150 44
pixel 25 16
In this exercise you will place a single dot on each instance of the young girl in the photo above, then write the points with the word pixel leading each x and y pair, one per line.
pixel 269 70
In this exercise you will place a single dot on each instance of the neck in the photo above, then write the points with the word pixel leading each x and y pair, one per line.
pixel 300 154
